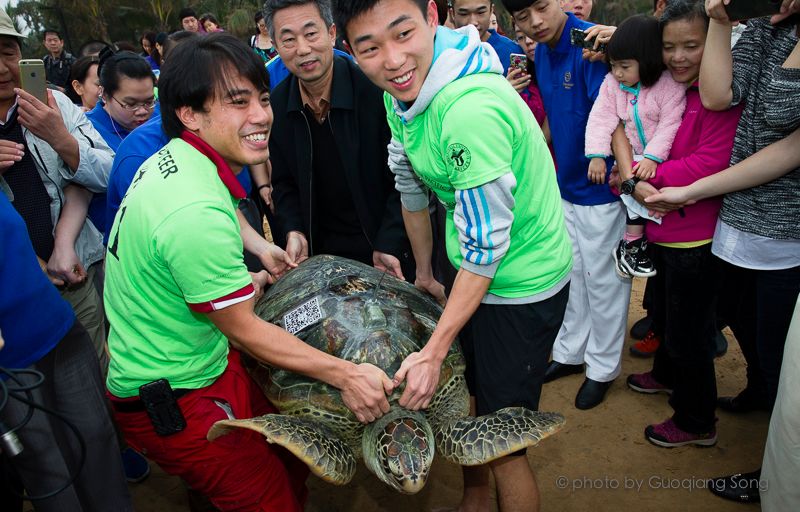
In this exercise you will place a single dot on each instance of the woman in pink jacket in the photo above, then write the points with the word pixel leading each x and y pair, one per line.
pixel 646 99
pixel 685 287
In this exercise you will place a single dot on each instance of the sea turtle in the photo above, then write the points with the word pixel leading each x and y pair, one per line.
pixel 357 313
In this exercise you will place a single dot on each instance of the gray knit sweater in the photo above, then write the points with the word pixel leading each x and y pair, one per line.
pixel 772 111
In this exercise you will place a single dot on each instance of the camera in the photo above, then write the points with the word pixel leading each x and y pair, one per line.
pixel 578 38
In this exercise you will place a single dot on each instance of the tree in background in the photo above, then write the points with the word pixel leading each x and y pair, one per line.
pixel 115 20
pixel 80 21
pixel 604 12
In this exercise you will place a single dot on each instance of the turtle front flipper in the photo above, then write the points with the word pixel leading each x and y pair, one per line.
pixel 472 441
pixel 325 454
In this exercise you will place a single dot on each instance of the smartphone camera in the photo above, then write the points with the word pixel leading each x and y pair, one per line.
pixel 578 38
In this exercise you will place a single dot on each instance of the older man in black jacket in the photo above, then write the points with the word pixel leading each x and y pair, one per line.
pixel 332 187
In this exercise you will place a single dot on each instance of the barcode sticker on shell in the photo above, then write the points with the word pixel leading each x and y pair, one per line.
pixel 302 316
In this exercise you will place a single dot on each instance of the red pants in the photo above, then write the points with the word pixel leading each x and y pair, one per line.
pixel 239 471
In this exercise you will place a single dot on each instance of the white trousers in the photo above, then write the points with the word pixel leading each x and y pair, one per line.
pixel 594 325
pixel 779 489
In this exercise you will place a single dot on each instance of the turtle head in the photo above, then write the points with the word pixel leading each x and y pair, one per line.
pixel 399 448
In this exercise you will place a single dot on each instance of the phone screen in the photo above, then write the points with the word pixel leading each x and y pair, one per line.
pixel 518 61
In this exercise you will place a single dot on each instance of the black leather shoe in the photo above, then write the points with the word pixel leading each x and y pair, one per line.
pixel 556 370
pixel 742 403
pixel 741 487
pixel 640 328
pixel 591 393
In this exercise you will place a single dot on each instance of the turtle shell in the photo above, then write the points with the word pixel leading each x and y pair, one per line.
pixel 354 312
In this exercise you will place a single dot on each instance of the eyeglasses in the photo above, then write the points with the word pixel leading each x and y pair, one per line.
pixel 147 105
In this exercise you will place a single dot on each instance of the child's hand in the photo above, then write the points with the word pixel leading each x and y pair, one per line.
pixel 597 171
pixel 645 169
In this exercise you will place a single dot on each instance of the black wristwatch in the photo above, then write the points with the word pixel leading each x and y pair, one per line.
pixel 628 186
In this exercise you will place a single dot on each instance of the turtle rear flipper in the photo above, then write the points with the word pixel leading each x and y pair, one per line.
pixel 326 455
pixel 474 441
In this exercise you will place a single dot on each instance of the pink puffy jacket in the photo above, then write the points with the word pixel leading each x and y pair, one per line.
pixel 651 116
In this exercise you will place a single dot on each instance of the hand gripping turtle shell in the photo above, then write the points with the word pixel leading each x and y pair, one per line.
pixel 357 313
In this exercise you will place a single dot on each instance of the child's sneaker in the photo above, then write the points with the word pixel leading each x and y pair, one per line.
pixel 632 259
pixel 645 383
pixel 668 435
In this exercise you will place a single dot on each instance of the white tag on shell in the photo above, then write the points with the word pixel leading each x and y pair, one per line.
pixel 302 316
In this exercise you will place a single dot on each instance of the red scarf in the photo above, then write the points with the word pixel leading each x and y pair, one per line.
pixel 223 169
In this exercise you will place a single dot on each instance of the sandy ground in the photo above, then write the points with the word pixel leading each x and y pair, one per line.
pixel 600 461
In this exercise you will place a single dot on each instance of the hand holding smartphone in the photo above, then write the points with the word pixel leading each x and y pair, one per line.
pixel 578 38
pixel 32 78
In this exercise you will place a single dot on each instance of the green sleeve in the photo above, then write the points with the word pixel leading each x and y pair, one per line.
pixel 391 118
pixel 206 263
pixel 477 137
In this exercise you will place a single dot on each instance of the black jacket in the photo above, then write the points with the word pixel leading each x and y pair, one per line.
pixel 360 130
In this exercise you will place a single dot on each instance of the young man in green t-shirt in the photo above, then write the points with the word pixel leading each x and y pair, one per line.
pixel 177 291
pixel 460 129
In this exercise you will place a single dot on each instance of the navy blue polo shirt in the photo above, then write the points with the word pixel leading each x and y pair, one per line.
pixel 504 47
pixel 569 85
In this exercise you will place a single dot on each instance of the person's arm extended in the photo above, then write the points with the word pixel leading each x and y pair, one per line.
pixel 262 181
pixel 363 386
pixel 711 155
pixel 421 369
pixel 64 261
pixel 483 216
pixel 716 69
pixel 416 218
pixel 767 165
pixel 274 259
pixel 418 229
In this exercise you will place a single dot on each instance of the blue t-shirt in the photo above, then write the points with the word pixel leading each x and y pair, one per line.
pixel 504 47
pixel 141 144
pixel 113 134
pixel 569 85
pixel 278 71
pixel 33 316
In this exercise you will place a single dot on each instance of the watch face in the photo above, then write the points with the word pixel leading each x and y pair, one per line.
pixel 627 187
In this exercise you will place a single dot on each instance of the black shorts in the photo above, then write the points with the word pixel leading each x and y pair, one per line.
pixel 507 348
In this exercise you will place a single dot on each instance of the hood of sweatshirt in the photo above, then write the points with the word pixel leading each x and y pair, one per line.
pixel 456 54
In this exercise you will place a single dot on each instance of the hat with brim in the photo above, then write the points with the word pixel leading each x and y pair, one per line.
pixel 7 27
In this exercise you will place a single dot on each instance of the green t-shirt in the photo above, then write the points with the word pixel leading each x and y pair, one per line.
pixel 174 242
pixel 475 130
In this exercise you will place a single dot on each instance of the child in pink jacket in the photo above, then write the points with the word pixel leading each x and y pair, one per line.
pixel 650 104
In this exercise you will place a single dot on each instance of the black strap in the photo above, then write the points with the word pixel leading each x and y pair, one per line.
pixel 138 406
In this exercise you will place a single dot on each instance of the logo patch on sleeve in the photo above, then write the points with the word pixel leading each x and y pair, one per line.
pixel 459 156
